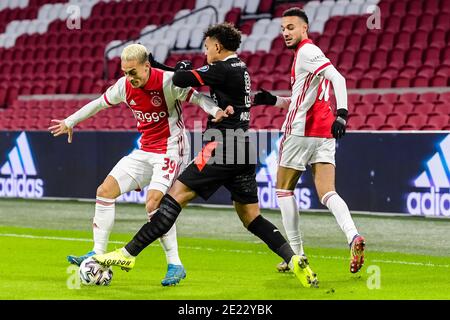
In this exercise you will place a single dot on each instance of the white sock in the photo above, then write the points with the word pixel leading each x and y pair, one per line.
pixel 103 223
pixel 339 209
pixel 291 219
pixel 170 245
pixel 126 253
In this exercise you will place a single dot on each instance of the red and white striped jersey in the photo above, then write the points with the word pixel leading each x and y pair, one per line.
pixel 157 109
pixel 310 112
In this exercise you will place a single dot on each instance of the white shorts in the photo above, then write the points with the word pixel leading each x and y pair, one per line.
pixel 297 152
pixel 141 168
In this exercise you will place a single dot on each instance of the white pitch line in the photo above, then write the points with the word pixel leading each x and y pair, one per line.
pixel 29 236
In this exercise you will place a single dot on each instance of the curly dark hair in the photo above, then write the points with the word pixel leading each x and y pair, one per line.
pixel 226 34
pixel 296 12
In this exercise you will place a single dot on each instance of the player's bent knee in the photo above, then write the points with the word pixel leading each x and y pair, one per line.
pixel 104 192
pixel 151 206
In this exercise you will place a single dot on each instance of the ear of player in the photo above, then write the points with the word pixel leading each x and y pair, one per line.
pixel 339 125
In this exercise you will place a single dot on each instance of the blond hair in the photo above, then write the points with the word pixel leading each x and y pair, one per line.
pixel 136 52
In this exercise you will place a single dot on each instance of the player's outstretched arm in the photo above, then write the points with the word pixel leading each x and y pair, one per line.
pixel 181 65
pixel 264 97
pixel 158 65
pixel 66 125
pixel 340 91
pixel 60 128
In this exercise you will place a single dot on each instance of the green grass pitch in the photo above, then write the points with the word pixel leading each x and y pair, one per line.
pixel 407 258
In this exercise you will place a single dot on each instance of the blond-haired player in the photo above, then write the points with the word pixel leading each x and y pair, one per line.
pixel 156 104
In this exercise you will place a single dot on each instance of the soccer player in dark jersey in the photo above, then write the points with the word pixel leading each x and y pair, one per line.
pixel 226 160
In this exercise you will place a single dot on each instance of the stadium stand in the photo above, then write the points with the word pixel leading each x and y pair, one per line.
pixel 398 75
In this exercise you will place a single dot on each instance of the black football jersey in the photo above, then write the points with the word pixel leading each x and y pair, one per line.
pixel 230 84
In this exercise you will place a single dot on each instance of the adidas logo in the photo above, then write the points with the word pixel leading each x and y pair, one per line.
pixel 132 102
pixel 436 178
pixel 166 177
pixel 19 166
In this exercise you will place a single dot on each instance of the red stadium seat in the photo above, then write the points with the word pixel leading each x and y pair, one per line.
pixel 426 22
pixel 406 127
pixel 383 108
pixel 355 121
pixel 265 6
pixel 416 120
pixel 284 62
pixel 386 127
pixel 278 121
pixel 409 23
pixel 403 40
pixel 375 120
pixel 282 84
pixel 442 108
pixel 431 57
pixel 260 121
pixel 396 119
pixel 386 41
pixel 383 82
pixel 401 82
pixel 426 71
pixel 379 59
pixel 389 98
pixel 415 6
pixel 420 81
pixel 423 108
pixel 403 108
pixel 408 98
pixel 428 97
pixel 438 120
pixel 353 42
pixel 393 24
pixel 439 81
pixel 431 6
pixel 445 97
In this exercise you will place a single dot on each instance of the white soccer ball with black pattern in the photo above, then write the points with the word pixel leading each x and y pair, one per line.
pixel 92 273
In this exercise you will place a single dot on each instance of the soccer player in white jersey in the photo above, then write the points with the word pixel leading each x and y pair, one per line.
pixel 156 104
pixel 310 133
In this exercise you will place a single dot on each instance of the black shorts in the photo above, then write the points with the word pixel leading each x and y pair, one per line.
pixel 239 179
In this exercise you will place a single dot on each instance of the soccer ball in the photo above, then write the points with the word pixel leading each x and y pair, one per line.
pixel 91 273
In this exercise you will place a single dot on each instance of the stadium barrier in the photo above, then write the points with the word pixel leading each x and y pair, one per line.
pixel 377 172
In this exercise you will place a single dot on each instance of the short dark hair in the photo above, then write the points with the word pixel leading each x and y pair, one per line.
pixel 296 12
pixel 226 34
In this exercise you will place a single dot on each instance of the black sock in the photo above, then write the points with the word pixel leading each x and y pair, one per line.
pixel 267 232
pixel 160 224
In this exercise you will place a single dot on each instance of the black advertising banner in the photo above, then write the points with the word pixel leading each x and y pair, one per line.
pixel 376 172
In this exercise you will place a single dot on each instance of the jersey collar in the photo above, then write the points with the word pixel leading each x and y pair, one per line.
pixel 230 57
pixel 302 43
pixel 152 81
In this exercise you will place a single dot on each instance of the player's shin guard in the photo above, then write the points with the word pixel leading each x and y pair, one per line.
pixel 339 209
pixel 269 233
pixel 160 224
pixel 103 223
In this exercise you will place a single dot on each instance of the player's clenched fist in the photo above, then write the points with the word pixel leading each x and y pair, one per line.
pixel 338 127
pixel 264 97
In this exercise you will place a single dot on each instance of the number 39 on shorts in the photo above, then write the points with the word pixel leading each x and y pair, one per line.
pixel 170 165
